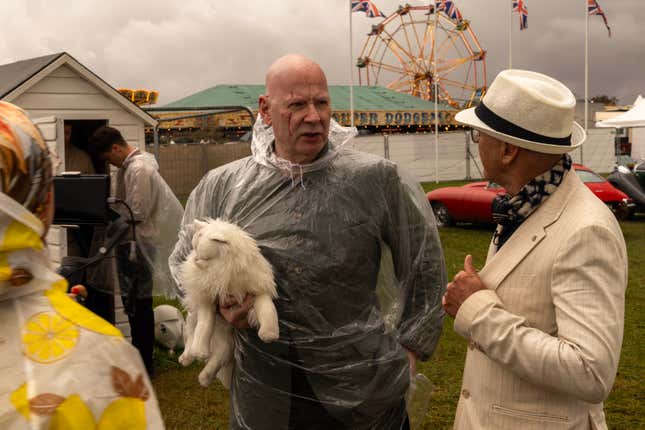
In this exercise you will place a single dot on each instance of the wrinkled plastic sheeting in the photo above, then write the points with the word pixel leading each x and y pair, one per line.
pixel 158 214
pixel 360 275
pixel 156 236
pixel 417 400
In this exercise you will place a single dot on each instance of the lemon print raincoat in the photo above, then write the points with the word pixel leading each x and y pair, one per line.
pixel 62 366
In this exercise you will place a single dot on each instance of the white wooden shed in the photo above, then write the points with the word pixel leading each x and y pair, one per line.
pixel 55 89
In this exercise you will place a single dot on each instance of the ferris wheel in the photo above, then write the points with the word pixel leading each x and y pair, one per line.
pixel 402 51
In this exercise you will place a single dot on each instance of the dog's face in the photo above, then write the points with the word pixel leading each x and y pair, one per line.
pixel 210 240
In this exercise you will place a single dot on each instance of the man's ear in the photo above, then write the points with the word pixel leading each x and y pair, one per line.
pixel 263 102
pixel 509 153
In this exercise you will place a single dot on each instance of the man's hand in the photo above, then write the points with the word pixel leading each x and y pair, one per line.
pixel 412 358
pixel 462 286
pixel 235 312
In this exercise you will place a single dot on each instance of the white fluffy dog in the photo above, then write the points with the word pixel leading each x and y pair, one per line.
pixel 225 261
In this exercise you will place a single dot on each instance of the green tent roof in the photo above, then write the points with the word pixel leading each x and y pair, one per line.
pixel 365 98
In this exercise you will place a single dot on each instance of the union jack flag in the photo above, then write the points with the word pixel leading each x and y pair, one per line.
pixel 368 7
pixel 449 8
pixel 594 9
pixel 519 6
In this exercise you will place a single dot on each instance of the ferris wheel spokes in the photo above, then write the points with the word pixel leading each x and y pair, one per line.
pixel 404 49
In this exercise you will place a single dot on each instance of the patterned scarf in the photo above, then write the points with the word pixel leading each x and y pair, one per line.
pixel 26 165
pixel 511 211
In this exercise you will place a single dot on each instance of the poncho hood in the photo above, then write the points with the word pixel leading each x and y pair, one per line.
pixel 263 153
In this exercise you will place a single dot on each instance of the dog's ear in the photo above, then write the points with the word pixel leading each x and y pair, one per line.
pixel 199 225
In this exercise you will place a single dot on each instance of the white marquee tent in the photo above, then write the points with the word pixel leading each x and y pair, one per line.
pixel 633 118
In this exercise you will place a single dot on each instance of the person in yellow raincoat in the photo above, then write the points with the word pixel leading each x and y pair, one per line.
pixel 62 367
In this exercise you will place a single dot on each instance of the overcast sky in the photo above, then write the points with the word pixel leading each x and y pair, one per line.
pixel 179 47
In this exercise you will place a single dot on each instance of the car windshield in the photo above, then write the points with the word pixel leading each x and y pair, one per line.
pixel 493 185
pixel 587 176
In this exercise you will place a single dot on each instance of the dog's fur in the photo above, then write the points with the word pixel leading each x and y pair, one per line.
pixel 225 261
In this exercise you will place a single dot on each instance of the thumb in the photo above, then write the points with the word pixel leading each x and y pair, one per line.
pixel 468 265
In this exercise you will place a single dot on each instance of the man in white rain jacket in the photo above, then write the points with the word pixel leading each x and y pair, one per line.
pixel 141 261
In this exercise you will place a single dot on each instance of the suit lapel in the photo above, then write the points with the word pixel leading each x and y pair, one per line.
pixel 492 248
pixel 532 231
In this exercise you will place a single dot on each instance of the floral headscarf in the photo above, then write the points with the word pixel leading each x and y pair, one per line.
pixel 25 162
pixel 25 180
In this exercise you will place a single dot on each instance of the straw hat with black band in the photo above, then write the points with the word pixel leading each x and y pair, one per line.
pixel 529 110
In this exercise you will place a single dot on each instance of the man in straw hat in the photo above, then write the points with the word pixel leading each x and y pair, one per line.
pixel 544 317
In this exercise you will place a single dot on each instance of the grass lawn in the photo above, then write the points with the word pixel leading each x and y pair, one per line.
pixel 429 186
pixel 185 405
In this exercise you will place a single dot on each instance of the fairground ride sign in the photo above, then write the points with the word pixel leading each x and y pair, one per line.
pixel 395 118
pixel 361 119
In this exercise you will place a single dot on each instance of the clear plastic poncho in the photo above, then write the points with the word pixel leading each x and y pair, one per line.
pixel 360 275
pixel 157 214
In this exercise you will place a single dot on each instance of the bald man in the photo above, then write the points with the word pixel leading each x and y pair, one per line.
pixel 341 230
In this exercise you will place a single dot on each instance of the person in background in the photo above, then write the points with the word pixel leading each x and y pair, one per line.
pixel 62 366
pixel 156 213
pixel 76 159
pixel 357 261
pixel 544 317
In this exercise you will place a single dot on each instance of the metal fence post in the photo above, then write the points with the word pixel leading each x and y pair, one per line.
pixel 386 146
pixel 204 151
pixel 155 134
pixel 467 134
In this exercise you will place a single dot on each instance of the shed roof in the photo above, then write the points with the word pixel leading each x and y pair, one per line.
pixel 13 75
pixel 18 77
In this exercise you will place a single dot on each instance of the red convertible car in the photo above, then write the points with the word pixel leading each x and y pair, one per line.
pixel 472 202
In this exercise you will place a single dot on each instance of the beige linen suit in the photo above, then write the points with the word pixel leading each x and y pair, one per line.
pixel 545 337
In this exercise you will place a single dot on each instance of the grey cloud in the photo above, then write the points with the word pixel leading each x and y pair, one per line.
pixel 180 47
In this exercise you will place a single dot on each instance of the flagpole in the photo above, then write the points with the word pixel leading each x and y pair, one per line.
pixel 351 69
pixel 510 39
pixel 586 69
pixel 436 98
